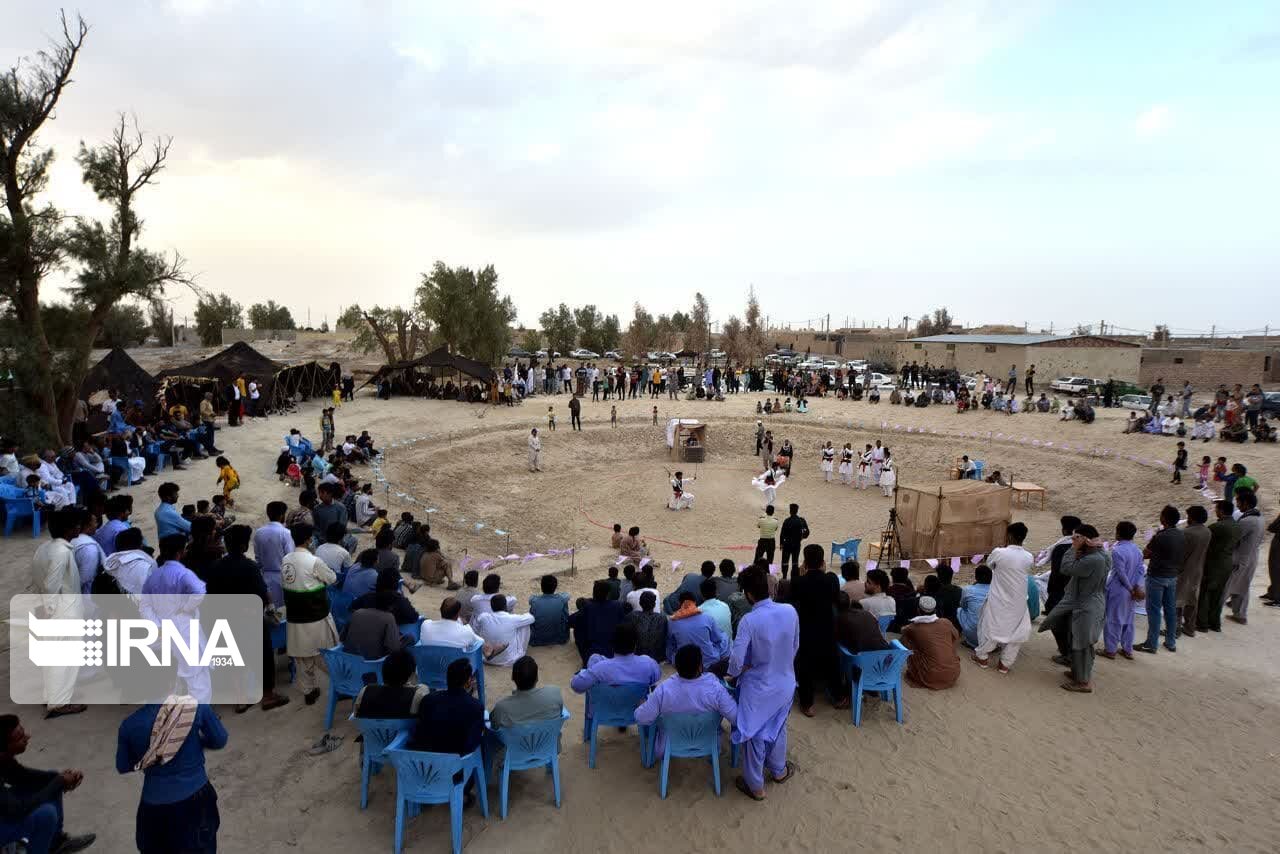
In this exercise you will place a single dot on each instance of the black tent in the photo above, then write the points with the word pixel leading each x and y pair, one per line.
pixel 189 382
pixel 438 362
pixel 119 371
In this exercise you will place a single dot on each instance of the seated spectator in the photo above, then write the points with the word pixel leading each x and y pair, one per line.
pixel 972 599
pixel 372 631
pixel 877 602
pixel 857 631
pixel 691 583
pixel 386 592
pixel 623 668
pixel 451 721
pixel 632 546
pixel 628 582
pixel 688 625
pixel 644 581
pixel 689 691
pixel 615 585
pixel 481 602
pixel 362 577
pixel 550 612
pixel 714 608
pixel 594 622
pixel 32 799
pixel 449 630
pixel 335 555
pixel 527 703
pixel 381 522
pixel 853 587
pixel 499 626
pixel 395 697
pixel 904 596
pixel 411 563
pixel 650 626
pixel 470 588
pixel 1042 405
pixel 726 583
pixel 433 566
pixel 934 663
pixel 948 595
pixel 405 531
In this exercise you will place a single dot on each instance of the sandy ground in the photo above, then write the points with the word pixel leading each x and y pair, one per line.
pixel 1173 752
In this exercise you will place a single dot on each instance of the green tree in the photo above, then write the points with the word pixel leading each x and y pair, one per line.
pixel 532 340
pixel 399 332
pixel 160 317
pixel 641 334
pixel 270 316
pixel 680 322
pixel 560 329
pixel 124 326
pixel 697 336
pixel 470 316
pixel 590 328
pixel 31 239
pixel 753 332
pixel 610 334
pixel 215 312
pixel 939 324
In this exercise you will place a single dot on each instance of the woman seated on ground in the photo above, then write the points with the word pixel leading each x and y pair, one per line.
pixel 802 406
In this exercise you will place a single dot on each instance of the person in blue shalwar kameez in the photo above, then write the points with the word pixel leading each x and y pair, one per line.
pixel 690 691
pixel 763 664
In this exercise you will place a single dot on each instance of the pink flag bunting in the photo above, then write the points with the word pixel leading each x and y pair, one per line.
pixel 621 559
pixel 955 564
pixel 464 563
pixel 977 559
pixel 775 569
pixel 932 561
pixel 644 561
pixel 905 564
pixel 872 564
pixel 676 564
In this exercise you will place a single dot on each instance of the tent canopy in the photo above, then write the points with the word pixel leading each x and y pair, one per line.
pixel 118 370
pixel 956 518
pixel 438 358
pixel 277 383
pixel 238 360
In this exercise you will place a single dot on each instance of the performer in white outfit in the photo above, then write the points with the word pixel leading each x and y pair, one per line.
pixel 1005 623
pixel 877 461
pixel 768 483
pixel 846 464
pixel 828 462
pixel 680 499
pixel 864 469
pixel 888 477
pixel 535 451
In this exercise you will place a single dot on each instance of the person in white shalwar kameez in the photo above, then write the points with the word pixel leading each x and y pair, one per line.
pixel 828 462
pixel 1005 621
pixel 535 451
pixel 56 579
pixel 888 475
pixel 768 483
pixel 846 464
pixel 680 498
pixel 877 462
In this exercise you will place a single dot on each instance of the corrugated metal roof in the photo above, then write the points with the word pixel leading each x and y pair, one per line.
pixel 988 339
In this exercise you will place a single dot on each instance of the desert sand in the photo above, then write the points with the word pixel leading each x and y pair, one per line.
pixel 1172 752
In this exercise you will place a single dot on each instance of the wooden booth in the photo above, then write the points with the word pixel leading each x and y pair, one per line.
pixel 687 439
pixel 953 519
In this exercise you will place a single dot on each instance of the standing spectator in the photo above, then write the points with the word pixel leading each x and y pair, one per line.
pixel 310 627
pixel 813 595
pixel 767 527
pixel 1223 535
pixel 795 530
pixel 1164 554
pixel 1187 393
pixel 1196 535
pixel 1124 588
pixel 1244 559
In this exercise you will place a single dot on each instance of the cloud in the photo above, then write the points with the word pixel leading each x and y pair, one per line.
pixel 1153 121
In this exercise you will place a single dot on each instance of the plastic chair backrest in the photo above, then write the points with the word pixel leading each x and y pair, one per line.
pixel 882 669
pixel 615 705
pixel 692 733
pixel 413 630
pixel 433 661
pixel 346 671
pixel 9 491
pixel 423 777
pixel 885 622
pixel 380 732
pixel 340 605
pixel 978 468
pixel 533 745
pixel 848 550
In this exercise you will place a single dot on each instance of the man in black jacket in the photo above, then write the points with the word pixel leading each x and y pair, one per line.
pixel 31 800
pixel 813 595
pixel 794 531
pixel 1058 586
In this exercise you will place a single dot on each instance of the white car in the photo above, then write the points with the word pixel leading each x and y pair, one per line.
pixel 1071 385
pixel 1139 402
pixel 831 364
pixel 542 354
pixel 717 354
pixel 810 365
pixel 613 354
pixel 583 354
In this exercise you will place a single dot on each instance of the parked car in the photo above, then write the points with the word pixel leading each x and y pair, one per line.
pixel 613 354
pixel 830 364
pixel 582 353
pixel 542 354
pixel 1140 402
pixel 1271 402
pixel 717 354
pixel 1072 385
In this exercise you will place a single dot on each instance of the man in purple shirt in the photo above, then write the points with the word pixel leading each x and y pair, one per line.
pixel 173 592
pixel 624 668
pixel 689 691
pixel 1124 582
pixel 763 664
pixel 118 509
pixel 271 543
pixel 688 625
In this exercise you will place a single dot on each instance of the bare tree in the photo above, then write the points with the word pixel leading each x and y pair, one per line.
pixel 753 333
pixel 398 332
pixel 731 339
pixel 698 335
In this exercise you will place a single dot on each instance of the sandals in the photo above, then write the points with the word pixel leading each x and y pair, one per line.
pixel 1076 687
pixel 327 744
pixel 68 709
pixel 274 703
pixel 984 663
pixel 742 786
pixel 787 774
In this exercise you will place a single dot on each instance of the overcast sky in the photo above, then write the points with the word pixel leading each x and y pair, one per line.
pixel 1015 160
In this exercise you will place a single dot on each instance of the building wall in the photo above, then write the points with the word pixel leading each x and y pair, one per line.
pixel 994 359
pixel 1207 368
pixel 1120 363
pixel 1051 361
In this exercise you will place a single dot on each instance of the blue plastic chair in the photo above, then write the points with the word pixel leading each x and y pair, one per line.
pixel 427 778
pixel 615 705
pixel 1033 597
pixel 689 736
pixel 378 734
pixel 346 677
pixel 413 630
pixel 528 746
pixel 155 449
pixel 978 468
pixel 848 550
pixel 433 662
pixel 18 506
pixel 885 622
pixel 123 463
pixel 280 640
pixel 879 671
pixel 340 608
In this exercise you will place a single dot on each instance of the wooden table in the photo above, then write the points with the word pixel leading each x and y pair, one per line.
pixel 1023 490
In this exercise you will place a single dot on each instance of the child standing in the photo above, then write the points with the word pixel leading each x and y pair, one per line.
pixel 613 416
pixel 655 416
pixel 1204 472
pixel 337 396
pixel 1179 463
pixel 228 477
pixel 551 418
pixel 1220 471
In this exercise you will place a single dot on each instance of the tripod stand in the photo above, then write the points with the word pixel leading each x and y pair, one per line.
pixel 889 546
